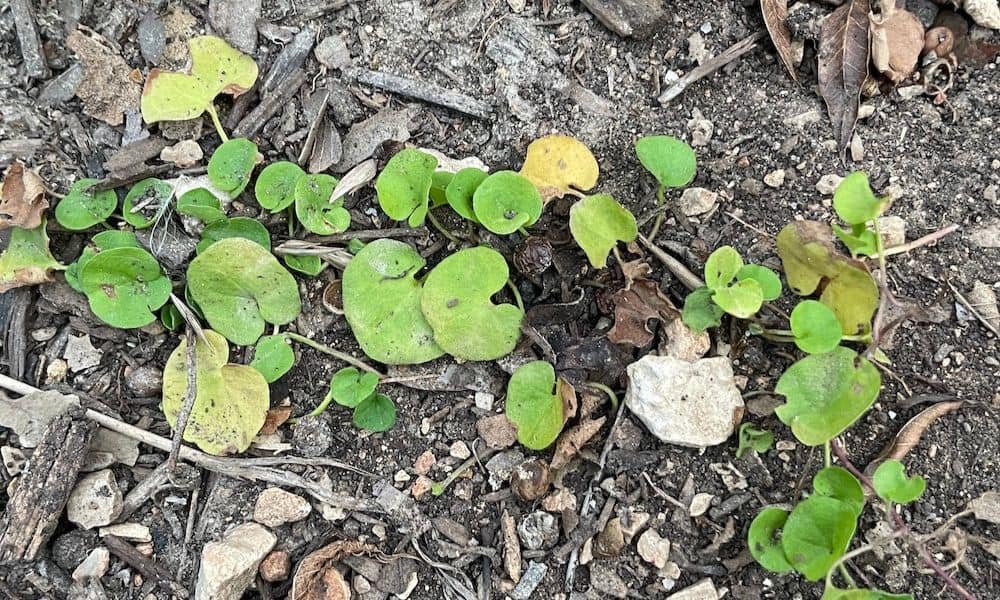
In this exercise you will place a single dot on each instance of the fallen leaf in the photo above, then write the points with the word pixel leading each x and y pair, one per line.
pixel 897 38
pixel 910 434
pixel 843 66
pixel 313 581
pixel 275 418
pixel 557 164
pixel 775 14
pixel 107 89
pixel 573 439
pixel 634 306
pixel 27 260
pixel 22 199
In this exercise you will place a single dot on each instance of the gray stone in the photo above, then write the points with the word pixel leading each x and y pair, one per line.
pixel 312 435
pixel 697 201
pixel 236 21
pixel 986 236
pixel 893 231
pixel 92 567
pixel 95 501
pixel 365 137
pixel 228 566
pixel 695 404
pixel 501 466
pixel 703 590
pixel 61 88
pixel 629 18
pixel 332 52
pixel 653 549
pixel 144 381
pixel 80 353
pixel 605 580
pixel 29 415
pixel 69 549
pixel 538 530
pixel 828 183
pixel 529 581
pixel 152 37
pixel 275 507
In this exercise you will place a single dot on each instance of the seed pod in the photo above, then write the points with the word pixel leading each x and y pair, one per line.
pixel 530 480
pixel 533 256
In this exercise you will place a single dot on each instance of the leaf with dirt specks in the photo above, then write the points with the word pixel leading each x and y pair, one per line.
pixel 775 13
pixel 27 260
pixel 843 66
pixel 22 199
pixel 311 580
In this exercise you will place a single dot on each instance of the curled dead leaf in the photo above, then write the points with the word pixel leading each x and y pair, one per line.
pixel 910 434
pixel 897 38
pixel 573 439
pixel 843 66
pixel 775 16
pixel 634 306
pixel 275 418
pixel 317 578
pixel 22 200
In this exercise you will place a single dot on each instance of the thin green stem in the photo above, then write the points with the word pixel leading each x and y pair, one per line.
pixel 210 109
pixel 523 232
pixel 347 358
pixel 660 201
pixel 517 294
pixel 827 459
pixel 291 220
pixel 322 406
pixel 603 388
pixel 441 228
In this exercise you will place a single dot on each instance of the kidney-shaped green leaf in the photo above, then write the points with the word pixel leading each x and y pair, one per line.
pixel 375 413
pixel 461 190
pixel 231 164
pixel 456 302
pixel 700 312
pixel 81 208
pixel 273 357
pixel 146 201
pixel 770 283
pixel 742 299
pixel 892 484
pixel 382 304
pixel 722 267
pixel 275 187
pixel 124 286
pixel 838 483
pixel 239 287
pixel 350 387
pixel 105 240
pixel 506 201
pixel 313 206
pixel 815 327
pixel 764 540
pixel 237 227
pixel 202 205
pixel 826 393
pixel 598 223
pixel 231 401
pixel 854 200
pixel 670 160
pixel 404 186
pixel 816 534
pixel 534 405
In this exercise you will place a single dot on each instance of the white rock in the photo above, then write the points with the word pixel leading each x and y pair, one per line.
pixel 694 404
pixel 228 566
pixel 276 507
pixel 653 549
pixel 184 153
pixel 484 401
pixel 680 341
pixel 95 501
pixel 332 52
pixel 893 230
pixel 80 354
pixel 697 201
pixel 701 128
pixel 828 183
pixel 133 532
pixel 460 450
pixel 700 504
pixel 775 178
pixel 92 567
pixel 703 590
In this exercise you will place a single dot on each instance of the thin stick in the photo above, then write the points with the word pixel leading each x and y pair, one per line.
pixel 712 65
pixel 682 273
pixel 369 234
pixel 923 241
pixel 347 358
pixel 189 397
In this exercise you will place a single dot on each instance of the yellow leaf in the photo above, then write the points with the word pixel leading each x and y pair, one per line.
pixel 557 164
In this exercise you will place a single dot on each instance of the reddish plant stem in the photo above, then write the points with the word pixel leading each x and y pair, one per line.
pixel 901 527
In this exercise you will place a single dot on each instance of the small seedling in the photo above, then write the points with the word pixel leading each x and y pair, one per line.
pixel 376 413
pixel 239 286
pixel 275 187
pixel 216 68
pixel 314 209
pixel 124 286
pixel 598 223
pixel 237 227
pixel 506 202
pixel 27 260
pixel 671 161
pixel 231 400
pixel 273 357
pixel 892 484
pixel 105 240
pixel 382 304
pixel 171 317
pixel 82 208
pixel 535 404
pixel 815 328
pixel 751 438
pixel 559 165
pixel 456 301
pixel 731 287
pixel 201 204
pixel 856 204
pixel 146 202
pixel 231 165
pixel 354 389
pixel 404 186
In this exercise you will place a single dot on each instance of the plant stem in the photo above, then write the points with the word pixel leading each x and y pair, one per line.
pixel 660 200
pixel 523 232
pixel 347 358
pixel 883 296
pixel 210 109
pixel 322 406
pixel 438 488
pixel 610 392
pixel 517 294
pixel 441 228
pixel 291 220
pixel 827 461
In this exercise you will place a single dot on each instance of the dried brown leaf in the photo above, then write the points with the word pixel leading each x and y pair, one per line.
pixel 22 199
pixel 843 66
pixel 634 306
pixel 573 439
pixel 897 40
pixel 567 393
pixel 909 436
pixel 775 14
pixel 275 418
pixel 313 579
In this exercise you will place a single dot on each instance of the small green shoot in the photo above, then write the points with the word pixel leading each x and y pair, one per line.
pixel 146 202
pixel 201 204
pixel 741 298
pixel 105 240
pixel 456 303
pixel 559 165
pixel 505 202
pixel 27 260
pixel 231 165
pixel 314 209
pixel 598 223
pixel 534 404
pixel 273 357
pixel 350 387
pixel 237 227
pixel 231 401
pixel 376 413
pixel 857 205
pixel 275 187
pixel 892 484
pixel 170 317
pixel 404 186
pixel 815 327
pixel 751 438
pixel 239 286
pixel 307 265
pixel 82 208
pixel 124 286
pixel 669 159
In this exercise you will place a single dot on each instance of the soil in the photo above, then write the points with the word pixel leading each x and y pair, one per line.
pixel 943 159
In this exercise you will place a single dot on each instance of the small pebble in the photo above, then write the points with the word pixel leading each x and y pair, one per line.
pixel 828 183
pixel 775 179
pixel 460 450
